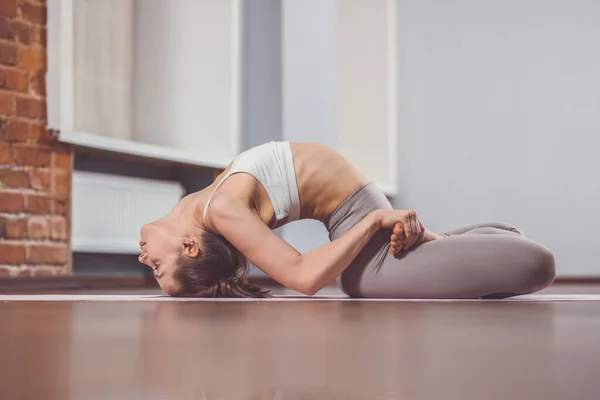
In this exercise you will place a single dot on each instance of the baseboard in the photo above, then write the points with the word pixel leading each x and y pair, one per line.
pixel 577 279
pixel 52 283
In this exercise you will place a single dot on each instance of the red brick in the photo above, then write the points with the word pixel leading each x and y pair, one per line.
pixel 12 253
pixel 13 228
pixel 62 182
pixel 33 12
pixel 61 206
pixel 14 179
pixel 14 79
pixel 44 271
pixel 4 272
pixel 14 131
pixel 38 83
pixel 39 179
pixel 11 202
pixel 38 228
pixel 60 197
pixel 31 156
pixel 58 228
pixel 5 29
pixel 42 38
pixel 8 53
pixel 38 35
pixel 32 58
pixel 6 156
pixel 62 160
pixel 8 8
pixel 37 131
pixel 39 134
pixel 38 204
pixel 44 254
pixel 7 103
pixel 30 108
pixel 21 32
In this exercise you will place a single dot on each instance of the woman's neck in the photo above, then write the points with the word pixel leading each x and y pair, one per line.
pixel 189 211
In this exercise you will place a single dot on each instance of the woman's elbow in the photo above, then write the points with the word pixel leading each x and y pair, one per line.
pixel 305 280
pixel 309 287
pixel 307 291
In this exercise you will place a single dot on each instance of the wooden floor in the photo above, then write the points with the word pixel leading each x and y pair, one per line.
pixel 301 350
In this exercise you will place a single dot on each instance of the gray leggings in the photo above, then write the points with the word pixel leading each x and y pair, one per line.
pixel 481 261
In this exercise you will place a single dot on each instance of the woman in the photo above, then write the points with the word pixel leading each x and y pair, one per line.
pixel 202 246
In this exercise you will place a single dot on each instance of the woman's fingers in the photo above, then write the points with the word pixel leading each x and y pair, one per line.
pixel 416 230
pixel 408 237
pixel 409 230
pixel 422 235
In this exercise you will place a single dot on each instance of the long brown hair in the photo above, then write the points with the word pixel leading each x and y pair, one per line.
pixel 219 271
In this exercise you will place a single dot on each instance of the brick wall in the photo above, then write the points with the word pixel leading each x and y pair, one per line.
pixel 35 170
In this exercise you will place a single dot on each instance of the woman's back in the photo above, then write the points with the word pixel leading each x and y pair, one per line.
pixel 324 180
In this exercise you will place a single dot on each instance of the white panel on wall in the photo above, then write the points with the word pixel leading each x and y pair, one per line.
pixel 308 92
pixel 262 105
pixel 187 75
pixel 102 65
pixel 365 95
pixel 498 119
pixel 109 210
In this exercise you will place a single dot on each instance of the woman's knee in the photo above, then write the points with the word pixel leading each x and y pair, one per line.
pixel 541 268
pixel 491 231
pixel 486 228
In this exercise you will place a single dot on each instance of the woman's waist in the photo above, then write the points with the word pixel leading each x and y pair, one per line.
pixel 354 208
pixel 320 200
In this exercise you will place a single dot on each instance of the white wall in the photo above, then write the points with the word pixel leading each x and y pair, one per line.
pixel 365 102
pixel 262 108
pixel 499 105
pixel 308 91
pixel 186 88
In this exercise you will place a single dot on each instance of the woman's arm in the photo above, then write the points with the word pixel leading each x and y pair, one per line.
pixel 304 273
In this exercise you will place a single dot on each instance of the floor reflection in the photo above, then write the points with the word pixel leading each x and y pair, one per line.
pixel 298 350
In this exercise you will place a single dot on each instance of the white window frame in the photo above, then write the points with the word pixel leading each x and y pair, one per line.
pixel 60 94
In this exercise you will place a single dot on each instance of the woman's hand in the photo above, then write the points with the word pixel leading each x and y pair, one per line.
pixel 407 230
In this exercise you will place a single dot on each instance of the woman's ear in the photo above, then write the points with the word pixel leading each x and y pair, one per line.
pixel 191 247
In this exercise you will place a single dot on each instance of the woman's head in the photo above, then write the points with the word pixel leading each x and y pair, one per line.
pixel 207 266
pixel 218 271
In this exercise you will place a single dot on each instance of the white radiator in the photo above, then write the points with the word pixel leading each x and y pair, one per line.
pixel 109 210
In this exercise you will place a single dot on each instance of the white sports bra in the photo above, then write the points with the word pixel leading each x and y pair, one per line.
pixel 272 164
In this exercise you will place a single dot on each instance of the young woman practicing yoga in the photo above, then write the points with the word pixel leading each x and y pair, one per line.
pixel 202 246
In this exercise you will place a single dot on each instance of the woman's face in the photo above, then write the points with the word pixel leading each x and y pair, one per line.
pixel 161 249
